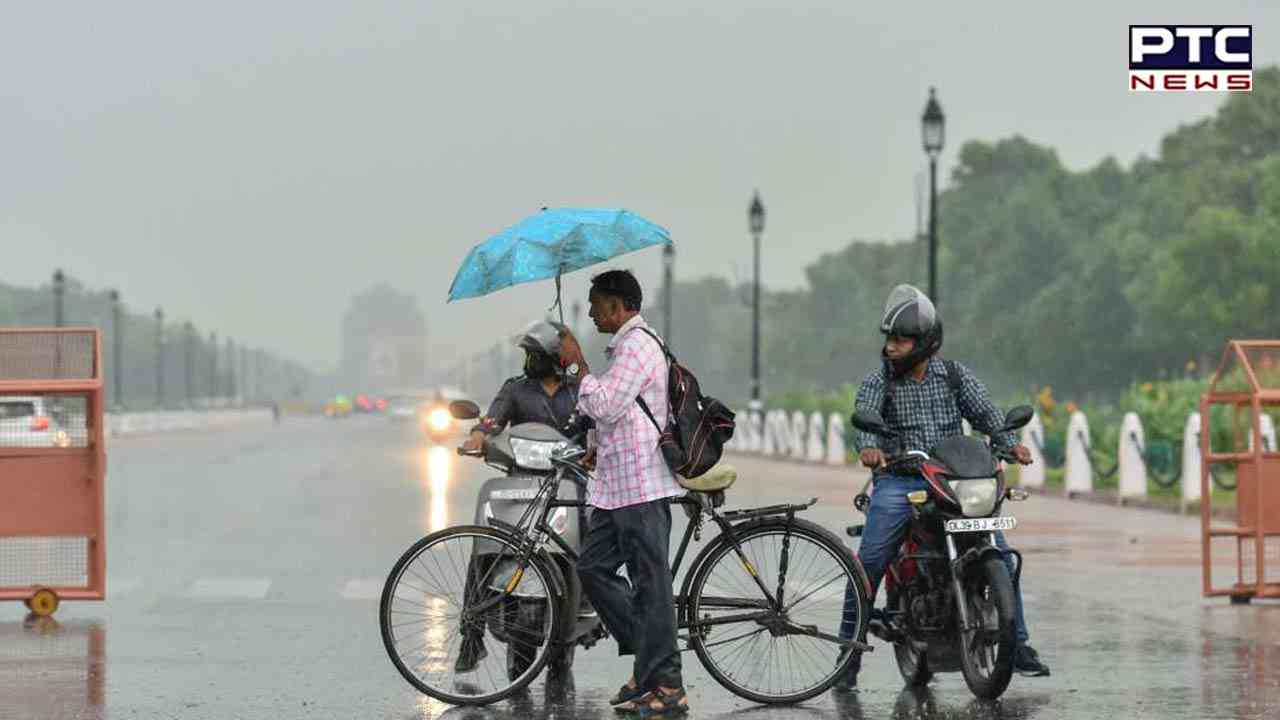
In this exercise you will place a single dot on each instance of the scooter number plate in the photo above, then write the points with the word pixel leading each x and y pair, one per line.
pixel 514 494
pixel 981 524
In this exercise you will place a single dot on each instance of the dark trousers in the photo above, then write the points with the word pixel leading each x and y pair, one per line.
pixel 641 614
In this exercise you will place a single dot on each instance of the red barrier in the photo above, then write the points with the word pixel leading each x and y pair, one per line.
pixel 52 467
pixel 1246 385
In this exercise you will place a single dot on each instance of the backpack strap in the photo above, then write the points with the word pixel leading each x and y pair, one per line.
pixel 670 358
pixel 954 378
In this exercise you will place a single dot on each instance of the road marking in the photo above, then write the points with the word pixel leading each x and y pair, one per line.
pixel 239 588
pixel 364 589
pixel 121 586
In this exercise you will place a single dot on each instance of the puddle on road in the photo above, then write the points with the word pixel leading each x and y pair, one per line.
pixel 50 669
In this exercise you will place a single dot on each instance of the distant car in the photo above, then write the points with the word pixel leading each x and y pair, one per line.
pixel 26 421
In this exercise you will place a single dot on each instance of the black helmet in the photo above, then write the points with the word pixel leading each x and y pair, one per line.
pixel 541 344
pixel 909 313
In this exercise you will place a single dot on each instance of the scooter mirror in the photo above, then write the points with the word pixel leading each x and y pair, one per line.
pixel 464 410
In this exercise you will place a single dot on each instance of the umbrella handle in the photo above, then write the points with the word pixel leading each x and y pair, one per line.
pixel 558 304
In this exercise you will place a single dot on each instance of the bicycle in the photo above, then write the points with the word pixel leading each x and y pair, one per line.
pixel 778 578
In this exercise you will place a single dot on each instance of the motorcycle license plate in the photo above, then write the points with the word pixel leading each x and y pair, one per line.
pixel 981 524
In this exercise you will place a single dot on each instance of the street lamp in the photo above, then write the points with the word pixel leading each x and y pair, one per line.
pixel 117 340
pixel 59 289
pixel 755 217
pixel 668 263
pixel 213 367
pixel 188 337
pixel 933 126
pixel 160 358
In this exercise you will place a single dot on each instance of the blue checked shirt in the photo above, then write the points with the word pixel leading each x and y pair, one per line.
pixel 926 412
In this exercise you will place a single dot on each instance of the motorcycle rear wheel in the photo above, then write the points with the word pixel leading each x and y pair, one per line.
pixel 986 655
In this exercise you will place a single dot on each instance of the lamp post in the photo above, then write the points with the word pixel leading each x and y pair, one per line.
pixel 755 217
pixel 668 264
pixel 933 125
pixel 59 290
pixel 213 368
pixel 117 341
pixel 188 339
pixel 160 358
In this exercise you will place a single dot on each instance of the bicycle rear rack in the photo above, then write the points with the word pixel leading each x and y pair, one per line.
pixel 749 513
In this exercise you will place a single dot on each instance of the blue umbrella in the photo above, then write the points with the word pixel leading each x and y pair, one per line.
pixel 550 244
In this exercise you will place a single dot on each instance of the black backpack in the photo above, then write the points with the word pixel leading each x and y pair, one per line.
pixel 698 426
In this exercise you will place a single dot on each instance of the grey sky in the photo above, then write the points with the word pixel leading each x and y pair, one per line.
pixel 251 166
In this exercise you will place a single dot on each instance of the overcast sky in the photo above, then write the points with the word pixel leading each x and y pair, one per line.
pixel 251 166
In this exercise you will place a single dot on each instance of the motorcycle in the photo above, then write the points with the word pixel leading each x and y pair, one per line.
pixel 523 453
pixel 949 593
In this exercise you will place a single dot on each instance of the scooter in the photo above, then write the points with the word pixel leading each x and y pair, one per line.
pixel 523 453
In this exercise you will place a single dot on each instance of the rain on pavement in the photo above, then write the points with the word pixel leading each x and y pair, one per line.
pixel 244 567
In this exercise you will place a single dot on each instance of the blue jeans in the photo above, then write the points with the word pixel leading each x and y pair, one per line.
pixel 888 517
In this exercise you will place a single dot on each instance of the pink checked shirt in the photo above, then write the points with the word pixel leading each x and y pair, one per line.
pixel 629 467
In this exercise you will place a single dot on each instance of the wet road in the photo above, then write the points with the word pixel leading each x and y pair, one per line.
pixel 244 567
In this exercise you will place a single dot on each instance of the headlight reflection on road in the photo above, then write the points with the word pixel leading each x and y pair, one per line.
pixel 438 465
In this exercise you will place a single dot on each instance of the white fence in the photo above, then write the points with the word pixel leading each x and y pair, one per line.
pixel 816 439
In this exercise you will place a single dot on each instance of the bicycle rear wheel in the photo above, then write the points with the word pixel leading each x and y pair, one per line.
pixel 422 615
pixel 752 649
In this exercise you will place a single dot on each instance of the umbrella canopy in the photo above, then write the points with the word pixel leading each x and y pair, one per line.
pixel 550 244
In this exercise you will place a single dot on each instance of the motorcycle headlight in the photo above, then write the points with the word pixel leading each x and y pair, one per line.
pixel 977 497
pixel 534 454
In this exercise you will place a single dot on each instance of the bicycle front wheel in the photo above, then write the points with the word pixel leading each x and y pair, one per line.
pixel 764 653
pixel 451 603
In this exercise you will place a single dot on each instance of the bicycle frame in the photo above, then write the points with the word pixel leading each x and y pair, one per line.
pixel 533 527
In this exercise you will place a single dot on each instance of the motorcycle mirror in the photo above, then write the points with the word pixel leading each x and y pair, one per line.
pixel 869 421
pixel 464 410
pixel 1017 417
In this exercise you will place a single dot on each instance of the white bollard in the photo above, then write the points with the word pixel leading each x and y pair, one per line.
pixel 776 432
pixel 755 437
pixel 1191 460
pixel 835 440
pixel 1268 434
pixel 817 437
pixel 799 428
pixel 1033 437
pixel 1133 467
pixel 1079 473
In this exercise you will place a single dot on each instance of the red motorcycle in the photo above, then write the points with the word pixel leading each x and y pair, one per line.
pixel 949 593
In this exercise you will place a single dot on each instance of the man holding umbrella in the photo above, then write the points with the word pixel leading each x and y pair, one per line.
pixel 630 496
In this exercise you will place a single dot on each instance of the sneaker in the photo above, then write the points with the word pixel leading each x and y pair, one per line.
pixel 1027 662
pixel 472 652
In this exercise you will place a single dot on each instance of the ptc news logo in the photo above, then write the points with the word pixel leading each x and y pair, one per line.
pixel 1190 58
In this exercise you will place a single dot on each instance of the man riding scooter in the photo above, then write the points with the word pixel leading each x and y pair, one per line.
pixel 924 399
pixel 543 394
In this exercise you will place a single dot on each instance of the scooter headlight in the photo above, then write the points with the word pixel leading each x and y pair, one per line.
pixel 977 497
pixel 534 454
pixel 439 419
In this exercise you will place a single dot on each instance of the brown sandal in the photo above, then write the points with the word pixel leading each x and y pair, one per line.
pixel 672 705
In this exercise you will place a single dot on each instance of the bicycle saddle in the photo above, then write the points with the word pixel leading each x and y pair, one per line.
pixel 717 479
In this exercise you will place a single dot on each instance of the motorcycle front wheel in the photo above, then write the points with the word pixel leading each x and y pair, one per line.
pixel 986 650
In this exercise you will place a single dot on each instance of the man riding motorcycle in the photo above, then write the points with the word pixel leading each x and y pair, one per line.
pixel 543 394
pixel 923 398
